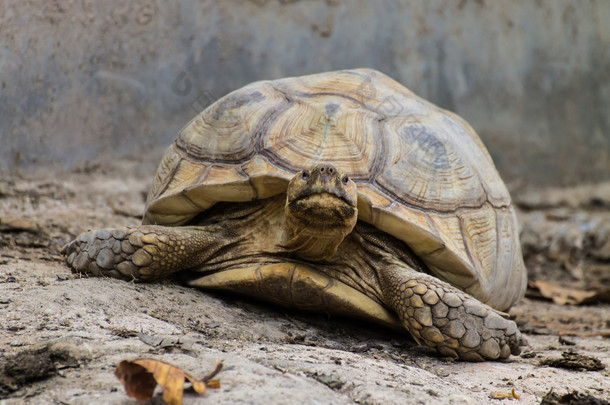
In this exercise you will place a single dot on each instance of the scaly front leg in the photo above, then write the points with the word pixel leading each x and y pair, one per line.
pixel 444 317
pixel 145 252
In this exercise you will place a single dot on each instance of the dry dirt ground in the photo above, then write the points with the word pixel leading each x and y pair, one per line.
pixel 61 335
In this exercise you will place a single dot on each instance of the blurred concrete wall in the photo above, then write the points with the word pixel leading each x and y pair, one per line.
pixel 85 80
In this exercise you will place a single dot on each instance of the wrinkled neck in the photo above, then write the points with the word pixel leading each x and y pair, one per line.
pixel 316 240
pixel 315 244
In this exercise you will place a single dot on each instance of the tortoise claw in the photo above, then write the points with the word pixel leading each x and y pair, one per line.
pixel 98 253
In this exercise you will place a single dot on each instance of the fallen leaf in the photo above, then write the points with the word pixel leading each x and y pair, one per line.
pixel 138 382
pixel 141 376
pixel 568 295
pixel 505 395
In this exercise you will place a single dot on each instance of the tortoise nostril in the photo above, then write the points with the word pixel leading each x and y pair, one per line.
pixel 327 170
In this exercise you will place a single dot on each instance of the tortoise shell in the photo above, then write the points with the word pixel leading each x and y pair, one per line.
pixel 423 175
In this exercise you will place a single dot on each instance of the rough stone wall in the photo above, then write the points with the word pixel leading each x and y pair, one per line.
pixel 85 80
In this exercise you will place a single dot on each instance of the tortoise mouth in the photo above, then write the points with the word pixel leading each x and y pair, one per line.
pixel 331 194
pixel 325 209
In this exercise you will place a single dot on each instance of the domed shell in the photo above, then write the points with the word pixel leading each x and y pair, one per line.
pixel 423 175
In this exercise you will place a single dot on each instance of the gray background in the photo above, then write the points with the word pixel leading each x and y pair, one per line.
pixel 83 81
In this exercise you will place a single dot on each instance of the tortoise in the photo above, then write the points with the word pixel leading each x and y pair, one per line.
pixel 340 192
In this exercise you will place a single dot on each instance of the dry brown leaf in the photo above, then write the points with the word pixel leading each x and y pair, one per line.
pixel 505 395
pixel 568 295
pixel 141 376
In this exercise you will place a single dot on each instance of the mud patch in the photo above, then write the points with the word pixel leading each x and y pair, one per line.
pixel 40 362
pixel 572 398
pixel 574 361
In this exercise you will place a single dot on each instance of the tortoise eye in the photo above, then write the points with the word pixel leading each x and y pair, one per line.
pixel 305 175
pixel 345 179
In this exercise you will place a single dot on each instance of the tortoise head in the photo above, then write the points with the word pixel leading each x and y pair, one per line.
pixel 320 210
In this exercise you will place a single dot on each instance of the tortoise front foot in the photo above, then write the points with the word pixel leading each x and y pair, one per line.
pixel 456 324
pixel 141 253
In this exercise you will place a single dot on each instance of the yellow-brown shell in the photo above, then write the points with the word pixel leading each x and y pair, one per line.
pixel 422 173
